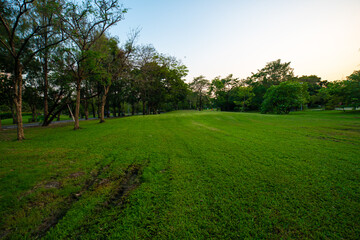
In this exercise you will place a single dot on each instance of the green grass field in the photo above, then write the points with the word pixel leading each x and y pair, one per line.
pixel 185 175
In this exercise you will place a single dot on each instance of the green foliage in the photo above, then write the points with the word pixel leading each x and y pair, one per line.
pixel 242 97
pixel 282 98
pixel 6 92
pixel 313 82
pixel 200 87
pixel 352 89
pixel 224 93
pixel 273 73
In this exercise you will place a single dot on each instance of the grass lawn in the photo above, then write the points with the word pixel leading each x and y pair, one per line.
pixel 185 175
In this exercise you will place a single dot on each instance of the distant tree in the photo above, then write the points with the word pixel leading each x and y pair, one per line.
pixel 273 73
pixel 142 79
pixel 200 86
pixel 175 87
pixel 280 99
pixel 221 89
pixel 191 98
pixel 314 84
pixel 157 80
pixel 259 91
pixel 242 97
pixel 352 89
pixel 154 74
pixel 334 95
pixel 111 64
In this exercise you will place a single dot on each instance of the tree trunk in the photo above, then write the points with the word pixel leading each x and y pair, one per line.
pixel 18 99
pixel 58 117
pixel 86 109
pixel 46 83
pixel 13 114
pixel 56 113
pixel 99 106
pixel 103 102
pixel 144 109
pixel 93 108
pixel 200 107
pixel 0 124
pixel 33 113
pixel 77 106
pixel 70 114
pixel 114 110
pixel 107 108
pixel 133 109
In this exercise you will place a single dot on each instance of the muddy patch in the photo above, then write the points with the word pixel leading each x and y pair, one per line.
pixel 126 184
pixel 76 174
pixel 121 187
pixel 52 184
pixel 332 139
pixel 52 220
pixel 349 129
pixel 325 138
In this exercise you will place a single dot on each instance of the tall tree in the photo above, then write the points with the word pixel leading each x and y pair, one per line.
pixel 353 89
pixel 200 86
pixel 60 89
pixel 85 23
pixel 20 26
pixel 31 94
pixel 221 89
pixel 273 73
pixel 114 64
pixel 52 33
pixel 241 96
pixel 145 58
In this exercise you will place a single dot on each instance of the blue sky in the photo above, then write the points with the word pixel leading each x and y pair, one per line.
pixel 216 38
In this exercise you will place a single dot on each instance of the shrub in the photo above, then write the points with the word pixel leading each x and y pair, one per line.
pixel 280 99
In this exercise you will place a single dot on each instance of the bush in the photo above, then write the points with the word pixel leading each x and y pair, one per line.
pixel 280 99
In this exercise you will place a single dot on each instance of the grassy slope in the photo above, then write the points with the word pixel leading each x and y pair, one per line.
pixel 203 175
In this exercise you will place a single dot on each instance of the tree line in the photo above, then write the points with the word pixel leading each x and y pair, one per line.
pixel 57 57
pixel 275 89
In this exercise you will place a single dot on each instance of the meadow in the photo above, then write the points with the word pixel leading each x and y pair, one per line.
pixel 185 175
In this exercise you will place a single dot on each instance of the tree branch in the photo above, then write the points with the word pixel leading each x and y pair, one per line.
pixel 7 47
